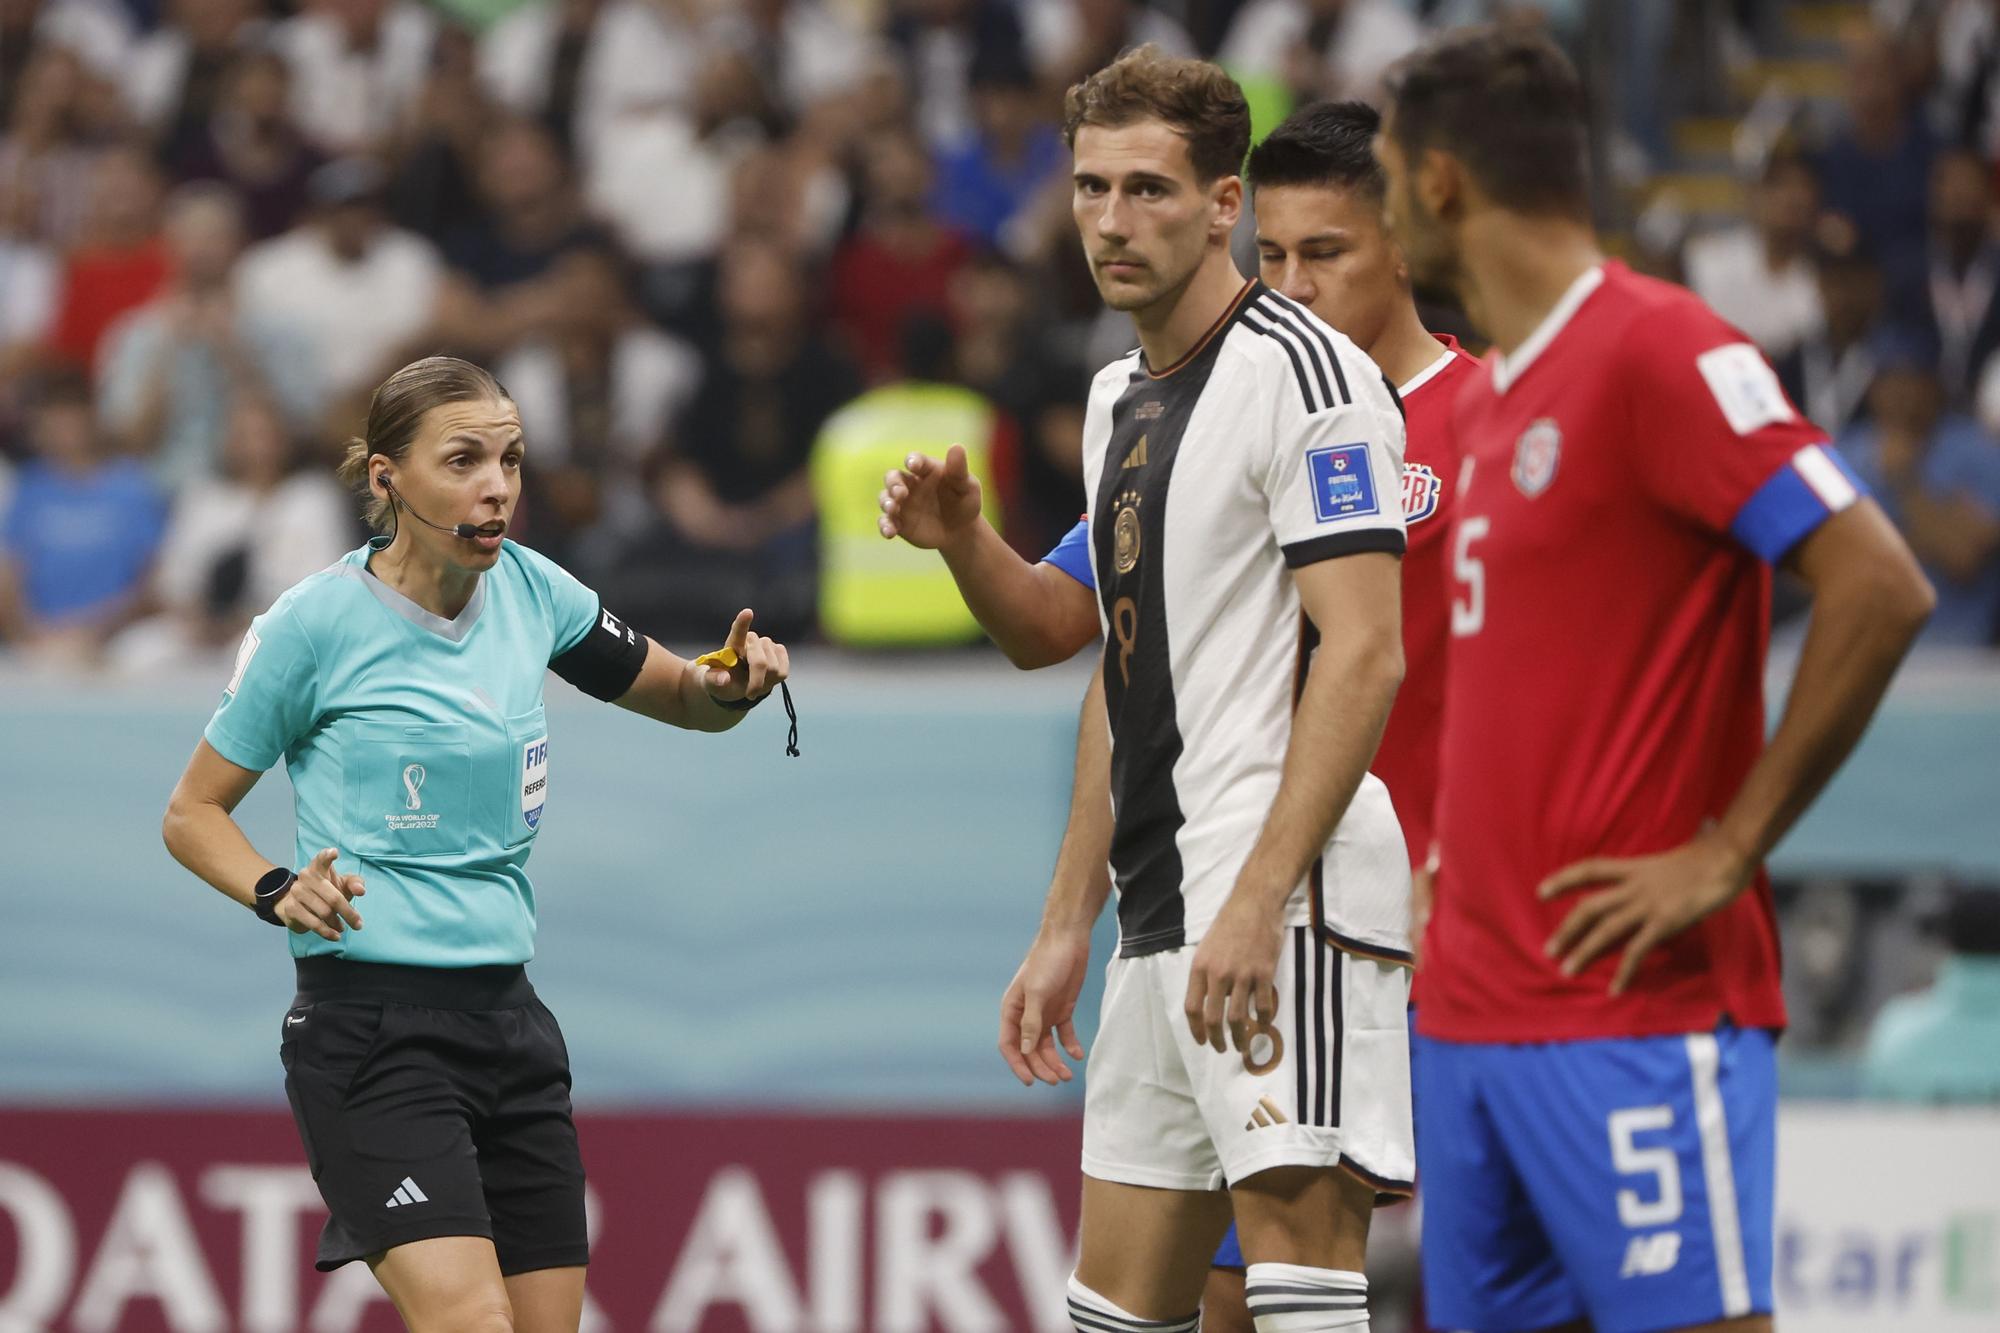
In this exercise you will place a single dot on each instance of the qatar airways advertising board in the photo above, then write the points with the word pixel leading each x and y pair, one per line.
pixel 197 1221
pixel 185 1220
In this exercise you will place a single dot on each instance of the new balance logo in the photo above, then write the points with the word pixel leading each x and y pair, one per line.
pixel 1649 1256
pixel 1137 458
pixel 1266 1115
pixel 406 1194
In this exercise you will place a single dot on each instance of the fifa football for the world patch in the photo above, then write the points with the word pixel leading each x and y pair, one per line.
pixel 1343 484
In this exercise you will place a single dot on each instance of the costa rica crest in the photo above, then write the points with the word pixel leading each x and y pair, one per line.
pixel 1537 454
pixel 1421 492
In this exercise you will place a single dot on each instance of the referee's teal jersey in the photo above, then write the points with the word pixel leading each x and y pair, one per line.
pixel 416 745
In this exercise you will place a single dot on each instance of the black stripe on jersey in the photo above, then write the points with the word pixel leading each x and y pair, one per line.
pixel 1128 534
pixel 1336 544
pixel 1310 324
pixel 1278 315
pixel 1319 1050
pixel 1302 1057
pixel 1339 1008
pixel 1250 321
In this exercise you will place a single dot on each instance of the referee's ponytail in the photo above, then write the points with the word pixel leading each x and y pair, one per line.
pixel 397 410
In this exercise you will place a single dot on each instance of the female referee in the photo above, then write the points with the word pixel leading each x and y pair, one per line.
pixel 403 688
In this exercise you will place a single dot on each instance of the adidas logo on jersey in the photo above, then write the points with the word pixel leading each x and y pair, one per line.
pixel 406 1194
pixel 1266 1115
pixel 1137 458
pixel 1650 1256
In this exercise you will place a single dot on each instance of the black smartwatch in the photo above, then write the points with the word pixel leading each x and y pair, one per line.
pixel 275 884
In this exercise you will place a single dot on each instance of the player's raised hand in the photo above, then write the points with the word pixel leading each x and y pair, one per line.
pixel 321 899
pixel 759 664
pixel 1231 982
pixel 927 502
pixel 1040 1007
pixel 1647 900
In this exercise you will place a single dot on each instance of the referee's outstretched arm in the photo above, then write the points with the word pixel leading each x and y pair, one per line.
pixel 688 694
pixel 201 831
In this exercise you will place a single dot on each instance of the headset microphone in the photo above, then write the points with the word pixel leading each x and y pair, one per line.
pixel 464 531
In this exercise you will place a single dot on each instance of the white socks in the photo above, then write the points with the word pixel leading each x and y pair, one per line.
pixel 1290 1298
pixel 1091 1313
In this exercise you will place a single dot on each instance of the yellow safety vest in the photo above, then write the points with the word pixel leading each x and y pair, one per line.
pixel 888 594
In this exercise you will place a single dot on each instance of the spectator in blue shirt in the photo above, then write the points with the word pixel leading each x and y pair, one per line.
pixel 78 537
pixel 1938 475
pixel 1875 169
pixel 989 181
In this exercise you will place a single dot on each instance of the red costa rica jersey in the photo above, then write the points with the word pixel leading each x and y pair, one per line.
pixel 1407 760
pixel 1629 475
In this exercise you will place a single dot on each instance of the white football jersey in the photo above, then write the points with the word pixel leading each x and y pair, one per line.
pixel 1275 443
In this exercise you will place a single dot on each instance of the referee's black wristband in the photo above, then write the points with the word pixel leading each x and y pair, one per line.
pixel 275 884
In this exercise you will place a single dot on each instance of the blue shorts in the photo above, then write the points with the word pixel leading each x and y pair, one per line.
pixel 1629 1181
pixel 1230 1253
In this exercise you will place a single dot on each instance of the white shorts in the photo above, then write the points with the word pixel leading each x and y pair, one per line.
pixel 1327 1085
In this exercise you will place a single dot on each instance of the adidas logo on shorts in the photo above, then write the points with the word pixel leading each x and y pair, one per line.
pixel 406 1194
pixel 1266 1115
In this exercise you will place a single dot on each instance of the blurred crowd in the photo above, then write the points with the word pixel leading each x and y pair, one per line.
pixel 687 235
pixel 1867 268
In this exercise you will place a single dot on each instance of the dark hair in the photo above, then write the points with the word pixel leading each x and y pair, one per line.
pixel 1509 105
pixel 397 410
pixel 1195 99
pixel 1788 159
pixel 62 386
pixel 929 347
pixel 1327 143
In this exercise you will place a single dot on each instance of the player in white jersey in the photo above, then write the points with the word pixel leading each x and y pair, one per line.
pixel 1244 470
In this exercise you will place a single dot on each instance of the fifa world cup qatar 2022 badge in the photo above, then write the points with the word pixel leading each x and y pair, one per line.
pixel 534 779
pixel 1536 456
pixel 414 815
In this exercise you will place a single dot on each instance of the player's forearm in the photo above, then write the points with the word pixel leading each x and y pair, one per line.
pixel 1013 600
pixel 1082 878
pixel 1869 604
pixel 1349 691
pixel 202 836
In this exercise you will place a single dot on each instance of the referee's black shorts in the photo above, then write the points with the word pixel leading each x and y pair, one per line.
pixel 434 1102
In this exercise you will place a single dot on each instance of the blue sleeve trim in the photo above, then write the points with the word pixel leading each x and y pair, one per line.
pixel 1072 555
pixel 1785 509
